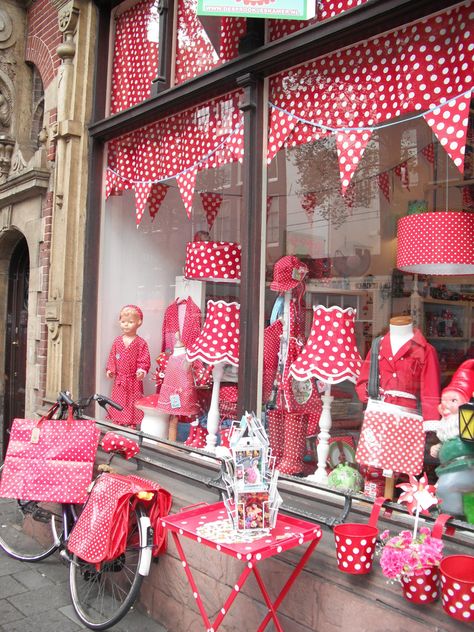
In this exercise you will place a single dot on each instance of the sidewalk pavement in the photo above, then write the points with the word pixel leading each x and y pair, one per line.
pixel 34 597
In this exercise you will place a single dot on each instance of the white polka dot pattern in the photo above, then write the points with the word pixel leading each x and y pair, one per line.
pixel 355 547
pixel 330 353
pixel 219 338
pixel 211 203
pixel 434 239
pixel 135 62
pixel 57 468
pixel 412 69
pixel 422 586
pixel 457 586
pixel 392 441
pixel 215 260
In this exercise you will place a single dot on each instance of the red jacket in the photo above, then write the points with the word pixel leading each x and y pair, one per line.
pixel 191 325
pixel 413 369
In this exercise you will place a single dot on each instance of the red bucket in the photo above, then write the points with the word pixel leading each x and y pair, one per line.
pixel 421 586
pixel 457 586
pixel 355 543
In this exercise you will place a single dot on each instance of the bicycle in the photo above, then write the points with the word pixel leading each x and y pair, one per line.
pixel 31 531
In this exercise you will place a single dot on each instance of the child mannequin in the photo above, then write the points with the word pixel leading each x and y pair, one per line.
pixel 127 365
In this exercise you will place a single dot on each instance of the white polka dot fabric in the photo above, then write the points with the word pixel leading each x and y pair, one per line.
pixel 330 353
pixel 213 260
pixel 211 203
pixel 436 240
pixel 219 338
pixel 57 468
pixel 391 441
pixel 412 69
pixel 135 61
pixel 101 530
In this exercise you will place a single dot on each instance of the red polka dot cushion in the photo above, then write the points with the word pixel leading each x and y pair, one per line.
pixel 113 442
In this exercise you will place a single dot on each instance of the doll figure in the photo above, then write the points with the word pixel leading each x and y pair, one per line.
pixel 455 472
pixel 128 363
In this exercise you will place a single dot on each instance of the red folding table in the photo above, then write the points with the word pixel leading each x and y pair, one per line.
pixel 288 533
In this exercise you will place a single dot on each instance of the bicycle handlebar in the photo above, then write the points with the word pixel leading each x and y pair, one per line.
pixel 65 398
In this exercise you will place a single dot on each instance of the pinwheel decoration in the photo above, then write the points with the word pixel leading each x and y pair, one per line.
pixel 418 495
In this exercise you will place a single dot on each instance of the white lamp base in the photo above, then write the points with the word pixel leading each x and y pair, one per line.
pixel 213 416
pixel 325 423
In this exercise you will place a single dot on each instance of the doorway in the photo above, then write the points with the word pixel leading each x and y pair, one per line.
pixel 15 339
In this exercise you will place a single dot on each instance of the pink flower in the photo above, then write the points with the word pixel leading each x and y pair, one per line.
pixel 403 555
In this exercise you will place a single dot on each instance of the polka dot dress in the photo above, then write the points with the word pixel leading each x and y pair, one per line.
pixel 127 389
pixel 178 394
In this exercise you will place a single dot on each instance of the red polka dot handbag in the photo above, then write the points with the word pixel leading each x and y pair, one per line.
pixel 50 459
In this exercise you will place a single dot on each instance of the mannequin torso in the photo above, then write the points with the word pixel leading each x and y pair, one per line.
pixel 401 331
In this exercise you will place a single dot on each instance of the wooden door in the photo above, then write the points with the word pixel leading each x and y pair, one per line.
pixel 17 323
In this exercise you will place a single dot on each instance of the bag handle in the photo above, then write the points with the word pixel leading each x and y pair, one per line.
pixel 373 384
pixel 374 515
pixel 440 523
pixel 35 433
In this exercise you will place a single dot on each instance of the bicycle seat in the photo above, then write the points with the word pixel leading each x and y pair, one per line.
pixel 113 442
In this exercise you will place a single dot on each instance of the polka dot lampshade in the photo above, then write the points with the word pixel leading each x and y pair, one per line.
pixel 330 354
pixel 219 337
pixel 213 260
pixel 440 242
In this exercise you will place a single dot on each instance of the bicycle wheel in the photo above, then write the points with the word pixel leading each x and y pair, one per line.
pixel 103 597
pixel 29 529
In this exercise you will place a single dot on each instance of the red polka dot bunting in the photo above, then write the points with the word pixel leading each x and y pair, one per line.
pixel 211 203
pixel 157 195
pixel 186 182
pixel 142 190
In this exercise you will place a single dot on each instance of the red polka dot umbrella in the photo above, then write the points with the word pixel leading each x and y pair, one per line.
pixel 330 354
pixel 436 243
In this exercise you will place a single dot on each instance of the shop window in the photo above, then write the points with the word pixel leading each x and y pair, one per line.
pixel 352 158
pixel 173 189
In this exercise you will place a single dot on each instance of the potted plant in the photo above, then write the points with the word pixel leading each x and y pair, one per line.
pixel 413 557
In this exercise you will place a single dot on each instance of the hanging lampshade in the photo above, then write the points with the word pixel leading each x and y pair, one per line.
pixel 440 242
pixel 330 354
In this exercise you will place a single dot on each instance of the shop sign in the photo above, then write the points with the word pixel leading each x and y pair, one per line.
pixel 275 9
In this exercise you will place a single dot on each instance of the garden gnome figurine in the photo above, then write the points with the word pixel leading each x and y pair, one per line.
pixel 456 470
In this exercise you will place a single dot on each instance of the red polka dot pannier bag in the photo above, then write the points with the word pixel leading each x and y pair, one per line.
pixel 50 459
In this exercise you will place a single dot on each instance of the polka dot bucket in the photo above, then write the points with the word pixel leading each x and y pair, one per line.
pixel 457 586
pixel 422 586
pixel 355 543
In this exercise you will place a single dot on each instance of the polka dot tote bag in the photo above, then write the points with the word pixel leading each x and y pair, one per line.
pixel 50 459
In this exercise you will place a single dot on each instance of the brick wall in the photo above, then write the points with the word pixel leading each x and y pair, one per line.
pixel 44 261
pixel 43 39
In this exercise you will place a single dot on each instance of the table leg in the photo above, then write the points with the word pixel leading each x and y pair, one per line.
pixel 230 599
pixel 272 614
pixel 284 591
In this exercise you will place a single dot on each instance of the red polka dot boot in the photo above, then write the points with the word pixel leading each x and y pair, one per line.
pixel 275 433
pixel 294 448
pixel 192 433
pixel 200 438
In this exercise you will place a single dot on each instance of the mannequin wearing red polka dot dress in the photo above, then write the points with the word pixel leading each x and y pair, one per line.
pixel 127 365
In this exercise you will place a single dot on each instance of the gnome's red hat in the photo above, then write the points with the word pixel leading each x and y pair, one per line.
pixel 463 380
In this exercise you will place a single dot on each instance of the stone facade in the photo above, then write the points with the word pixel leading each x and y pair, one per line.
pixel 46 69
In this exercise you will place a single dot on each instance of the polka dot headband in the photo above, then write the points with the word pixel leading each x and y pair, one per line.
pixel 135 308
